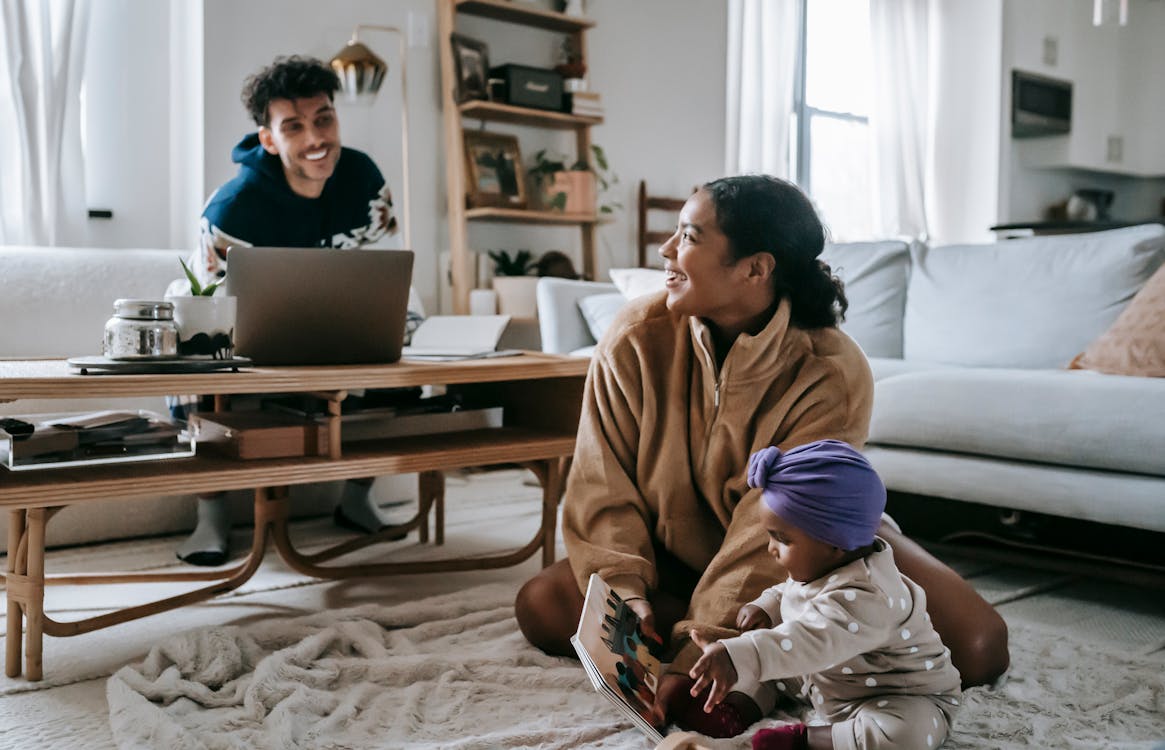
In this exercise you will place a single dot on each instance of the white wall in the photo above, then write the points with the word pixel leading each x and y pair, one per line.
pixel 662 72
pixel 128 148
pixel 965 177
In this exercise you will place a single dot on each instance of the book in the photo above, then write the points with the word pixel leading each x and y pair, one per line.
pixel 449 338
pixel 68 440
pixel 622 663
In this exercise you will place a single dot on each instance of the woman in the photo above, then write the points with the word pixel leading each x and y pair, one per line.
pixel 742 352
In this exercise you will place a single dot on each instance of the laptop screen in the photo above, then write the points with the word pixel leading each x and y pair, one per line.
pixel 319 306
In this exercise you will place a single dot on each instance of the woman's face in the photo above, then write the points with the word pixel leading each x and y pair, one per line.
pixel 805 557
pixel 703 280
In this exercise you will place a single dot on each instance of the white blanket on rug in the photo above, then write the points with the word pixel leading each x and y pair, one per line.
pixel 455 672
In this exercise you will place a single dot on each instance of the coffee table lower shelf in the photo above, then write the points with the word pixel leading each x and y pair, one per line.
pixel 33 498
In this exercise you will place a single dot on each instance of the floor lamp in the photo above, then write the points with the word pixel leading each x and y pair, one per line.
pixel 361 72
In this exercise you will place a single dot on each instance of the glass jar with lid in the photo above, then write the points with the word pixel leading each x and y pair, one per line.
pixel 141 329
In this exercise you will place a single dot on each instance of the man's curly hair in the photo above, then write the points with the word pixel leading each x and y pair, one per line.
pixel 294 77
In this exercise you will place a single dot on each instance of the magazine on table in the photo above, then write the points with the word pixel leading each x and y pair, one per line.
pixel 621 662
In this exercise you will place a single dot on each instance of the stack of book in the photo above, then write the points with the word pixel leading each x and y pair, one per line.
pixel 586 103
pixel 62 440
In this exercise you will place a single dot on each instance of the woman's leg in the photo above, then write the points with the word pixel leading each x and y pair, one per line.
pixel 968 625
pixel 548 608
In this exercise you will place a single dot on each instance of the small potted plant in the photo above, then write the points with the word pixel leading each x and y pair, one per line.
pixel 513 284
pixel 573 189
pixel 206 323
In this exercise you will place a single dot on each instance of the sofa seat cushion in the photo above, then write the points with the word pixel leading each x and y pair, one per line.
pixel 1069 418
pixel 888 367
pixel 1084 494
pixel 1032 303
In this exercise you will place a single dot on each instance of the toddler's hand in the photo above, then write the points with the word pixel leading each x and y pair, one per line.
pixel 752 617
pixel 714 667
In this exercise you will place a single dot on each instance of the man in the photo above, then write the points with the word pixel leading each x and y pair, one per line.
pixel 296 187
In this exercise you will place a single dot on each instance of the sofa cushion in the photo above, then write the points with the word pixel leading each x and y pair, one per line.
pixel 599 310
pixel 1135 344
pixel 560 322
pixel 888 367
pixel 1024 303
pixel 1065 417
pixel 636 282
pixel 875 275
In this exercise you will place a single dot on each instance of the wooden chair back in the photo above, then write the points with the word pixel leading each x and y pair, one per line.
pixel 649 237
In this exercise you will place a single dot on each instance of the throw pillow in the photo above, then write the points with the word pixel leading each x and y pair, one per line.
pixel 1135 344
pixel 1027 303
pixel 636 282
pixel 599 310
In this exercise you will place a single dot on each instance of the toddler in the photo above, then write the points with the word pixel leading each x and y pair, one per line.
pixel 846 631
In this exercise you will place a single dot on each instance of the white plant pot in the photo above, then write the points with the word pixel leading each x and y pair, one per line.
pixel 206 326
pixel 516 296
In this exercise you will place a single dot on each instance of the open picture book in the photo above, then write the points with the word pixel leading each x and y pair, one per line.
pixel 621 662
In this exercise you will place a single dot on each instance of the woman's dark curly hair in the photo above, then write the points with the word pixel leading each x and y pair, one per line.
pixel 759 213
pixel 293 77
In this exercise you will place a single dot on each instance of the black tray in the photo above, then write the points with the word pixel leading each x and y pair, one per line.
pixel 105 365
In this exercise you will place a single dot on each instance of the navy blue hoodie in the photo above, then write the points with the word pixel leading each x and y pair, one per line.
pixel 257 207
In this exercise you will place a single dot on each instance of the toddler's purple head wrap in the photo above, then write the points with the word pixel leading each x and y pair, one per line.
pixel 825 488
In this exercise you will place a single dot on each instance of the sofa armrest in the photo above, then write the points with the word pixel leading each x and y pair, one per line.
pixel 560 321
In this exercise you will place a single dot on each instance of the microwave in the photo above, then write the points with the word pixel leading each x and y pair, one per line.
pixel 1039 105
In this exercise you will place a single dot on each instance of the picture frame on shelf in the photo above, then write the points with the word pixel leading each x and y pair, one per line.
pixel 495 171
pixel 471 59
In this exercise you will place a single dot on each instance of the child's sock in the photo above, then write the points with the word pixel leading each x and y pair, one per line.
pixel 786 737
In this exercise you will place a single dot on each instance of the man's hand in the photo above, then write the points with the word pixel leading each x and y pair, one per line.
pixel 714 667
pixel 752 617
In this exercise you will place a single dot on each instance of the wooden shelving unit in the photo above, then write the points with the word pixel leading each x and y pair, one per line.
pixel 454 115
pixel 506 10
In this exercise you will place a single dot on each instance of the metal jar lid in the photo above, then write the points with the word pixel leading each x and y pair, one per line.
pixel 143 309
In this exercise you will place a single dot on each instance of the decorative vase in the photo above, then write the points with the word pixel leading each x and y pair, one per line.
pixel 516 296
pixel 206 326
pixel 578 187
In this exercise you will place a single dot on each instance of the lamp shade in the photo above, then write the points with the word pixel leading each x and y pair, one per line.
pixel 360 70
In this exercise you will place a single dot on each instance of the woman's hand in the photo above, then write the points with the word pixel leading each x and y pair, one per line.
pixel 714 667
pixel 752 617
pixel 642 609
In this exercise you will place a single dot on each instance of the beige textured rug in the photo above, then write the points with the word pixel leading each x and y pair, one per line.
pixel 454 672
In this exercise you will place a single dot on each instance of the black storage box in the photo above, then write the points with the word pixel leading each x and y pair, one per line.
pixel 530 87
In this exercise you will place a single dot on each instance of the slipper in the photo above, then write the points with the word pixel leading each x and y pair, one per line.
pixel 209 558
pixel 344 522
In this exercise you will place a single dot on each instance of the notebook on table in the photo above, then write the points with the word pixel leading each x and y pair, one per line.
pixel 319 306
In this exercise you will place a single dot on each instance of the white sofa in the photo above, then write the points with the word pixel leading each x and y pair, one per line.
pixel 54 302
pixel 969 346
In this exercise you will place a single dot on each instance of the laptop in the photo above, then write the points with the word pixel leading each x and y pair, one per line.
pixel 319 306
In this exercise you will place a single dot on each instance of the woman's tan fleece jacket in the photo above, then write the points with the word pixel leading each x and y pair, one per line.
pixel 663 447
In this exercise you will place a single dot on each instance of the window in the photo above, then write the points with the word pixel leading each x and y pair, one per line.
pixel 830 144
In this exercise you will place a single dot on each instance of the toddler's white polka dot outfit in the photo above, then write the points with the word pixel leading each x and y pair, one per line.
pixel 858 645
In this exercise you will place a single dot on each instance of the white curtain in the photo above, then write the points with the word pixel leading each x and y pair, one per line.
pixel 42 172
pixel 762 59
pixel 900 122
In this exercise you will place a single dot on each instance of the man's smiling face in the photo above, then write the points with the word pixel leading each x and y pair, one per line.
pixel 305 135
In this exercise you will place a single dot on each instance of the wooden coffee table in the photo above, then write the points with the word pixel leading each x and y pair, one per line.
pixel 541 395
